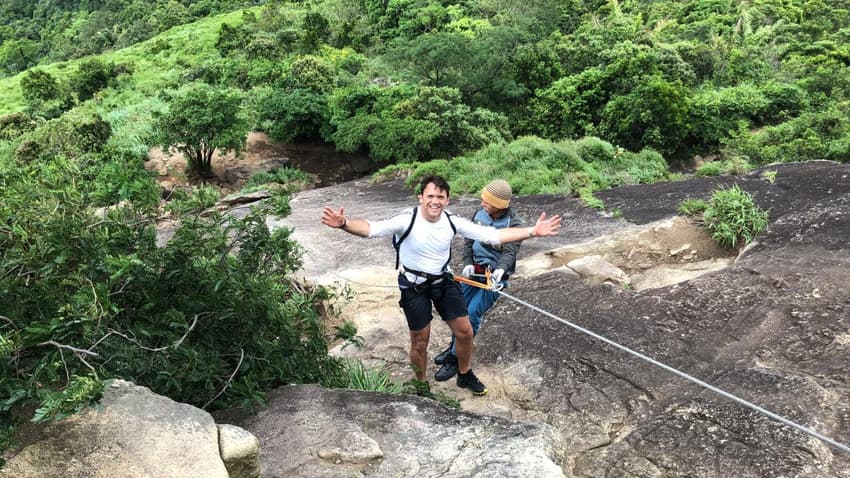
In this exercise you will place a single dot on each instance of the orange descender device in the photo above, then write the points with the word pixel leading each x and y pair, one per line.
pixel 487 284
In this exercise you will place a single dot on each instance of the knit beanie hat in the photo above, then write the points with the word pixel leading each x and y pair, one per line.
pixel 497 193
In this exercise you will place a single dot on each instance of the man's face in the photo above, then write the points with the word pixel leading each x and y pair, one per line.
pixel 492 210
pixel 432 201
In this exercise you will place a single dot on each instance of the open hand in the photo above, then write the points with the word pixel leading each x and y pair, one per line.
pixel 333 218
pixel 547 227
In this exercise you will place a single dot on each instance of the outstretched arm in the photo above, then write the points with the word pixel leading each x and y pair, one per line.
pixel 543 227
pixel 337 220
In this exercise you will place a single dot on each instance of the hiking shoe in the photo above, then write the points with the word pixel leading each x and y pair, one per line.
pixel 470 381
pixel 447 371
pixel 441 357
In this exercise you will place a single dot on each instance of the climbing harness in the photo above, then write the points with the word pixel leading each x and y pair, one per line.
pixel 430 279
pixel 684 375
pixel 397 240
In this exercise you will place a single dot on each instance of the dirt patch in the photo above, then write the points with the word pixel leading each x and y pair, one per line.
pixel 322 163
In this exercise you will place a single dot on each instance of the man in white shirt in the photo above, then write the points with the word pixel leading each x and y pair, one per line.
pixel 424 255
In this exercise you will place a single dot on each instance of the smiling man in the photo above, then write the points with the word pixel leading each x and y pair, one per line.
pixel 423 237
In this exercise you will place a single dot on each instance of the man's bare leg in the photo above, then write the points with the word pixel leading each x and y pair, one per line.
pixel 419 350
pixel 462 331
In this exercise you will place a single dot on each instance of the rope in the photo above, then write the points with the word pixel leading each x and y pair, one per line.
pixel 686 376
pixel 363 284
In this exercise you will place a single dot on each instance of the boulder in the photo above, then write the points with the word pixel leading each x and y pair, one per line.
pixel 311 432
pixel 132 433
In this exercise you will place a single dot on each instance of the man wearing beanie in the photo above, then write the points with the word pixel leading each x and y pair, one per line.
pixel 477 258
pixel 424 239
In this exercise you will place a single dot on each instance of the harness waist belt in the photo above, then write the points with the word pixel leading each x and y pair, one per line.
pixel 424 275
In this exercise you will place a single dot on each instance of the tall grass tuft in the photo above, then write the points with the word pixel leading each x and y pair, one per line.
pixel 358 376
pixel 733 218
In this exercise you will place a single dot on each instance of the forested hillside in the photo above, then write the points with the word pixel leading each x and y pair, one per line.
pixel 559 96
pixel 34 32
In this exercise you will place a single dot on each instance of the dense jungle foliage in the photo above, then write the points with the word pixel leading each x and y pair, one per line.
pixel 562 96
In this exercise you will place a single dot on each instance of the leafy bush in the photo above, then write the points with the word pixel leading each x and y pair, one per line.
pixel 712 168
pixel 16 124
pixel 652 115
pixel 406 124
pixel 209 317
pixel 538 166
pixel 39 86
pixel 74 134
pixel 733 218
pixel 620 166
pixel 92 75
pixel 692 207
pixel 292 179
pixel 45 96
pixel 289 115
pixel 810 136
pixel 735 165
pixel 313 73
pixel 117 175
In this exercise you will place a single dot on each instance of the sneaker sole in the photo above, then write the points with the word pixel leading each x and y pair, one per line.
pixel 477 394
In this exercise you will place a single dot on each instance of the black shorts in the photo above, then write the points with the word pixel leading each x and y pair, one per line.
pixel 445 295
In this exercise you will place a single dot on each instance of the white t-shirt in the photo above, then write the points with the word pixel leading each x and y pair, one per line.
pixel 428 245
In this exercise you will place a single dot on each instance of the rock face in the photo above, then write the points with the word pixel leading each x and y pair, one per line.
pixel 133 433
pixel 772 327
pixel 311 432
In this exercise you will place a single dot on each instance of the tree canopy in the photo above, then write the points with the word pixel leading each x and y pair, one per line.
pixel 200 121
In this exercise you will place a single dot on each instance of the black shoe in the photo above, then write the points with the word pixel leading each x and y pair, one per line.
pixel 441 357
pixel 470 381
pixel 447 371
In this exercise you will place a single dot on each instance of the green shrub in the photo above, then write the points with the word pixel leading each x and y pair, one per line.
pixel 292 179
pixel 117 176
pixel 733 218
pixel 209 317
pixel 91 76
pixel 692 207
pixel 591 201
pixel 713 168
pixel 291 114
pixel 39 86
pixel 537 166
pixel 810 136
pixel 735 165
pixel 16 124
pixel 194 201
pixel 769 176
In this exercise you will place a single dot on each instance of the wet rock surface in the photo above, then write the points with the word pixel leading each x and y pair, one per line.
pixel 771 327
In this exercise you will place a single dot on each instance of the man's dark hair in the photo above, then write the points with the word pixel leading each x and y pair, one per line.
pixel 437 181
